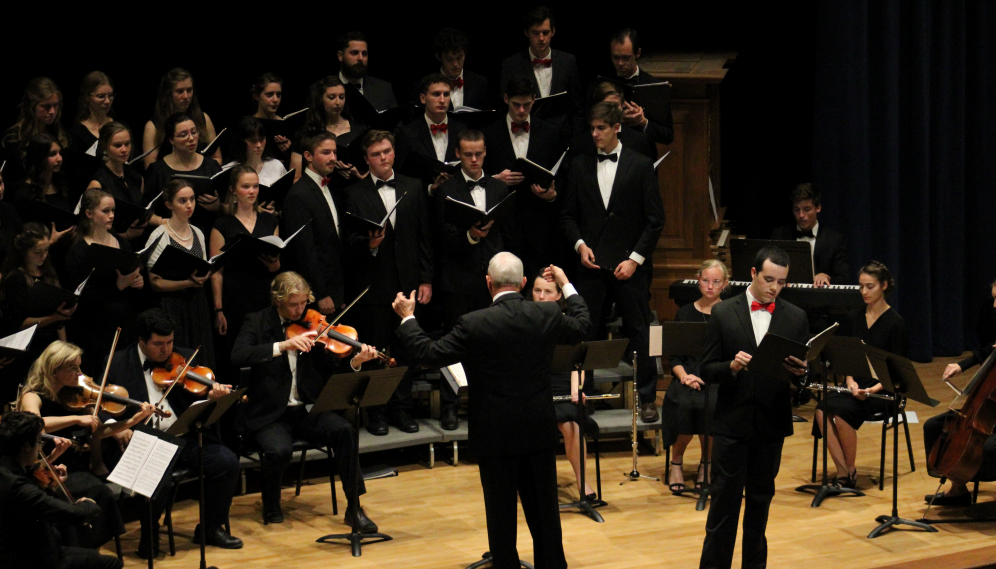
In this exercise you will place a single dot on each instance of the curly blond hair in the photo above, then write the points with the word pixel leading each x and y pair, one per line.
pixel 288 284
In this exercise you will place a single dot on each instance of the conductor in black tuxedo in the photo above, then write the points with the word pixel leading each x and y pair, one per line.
pixel 551 71
pixel 131 368
pixel 311 202
pixel 287 374
pixel 450 47
pixel 400 257
pixel 625 50
pixel 433 135
pixel 462 260
pixel 613 206
pixel 753 412
pixel 538 239
pixel 828 247
pixel 506 351
pixel 353 61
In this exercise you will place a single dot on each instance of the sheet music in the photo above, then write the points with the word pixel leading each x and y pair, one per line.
pixel 92 151
pixel 143 463
pixel 656 341
pixel 458 373
pixel 79 205
pixel 79 289
pixel 19 341
pixel 274 240
pixel 152 472
pixel 556 166
pixel 149 205
pixel 661 159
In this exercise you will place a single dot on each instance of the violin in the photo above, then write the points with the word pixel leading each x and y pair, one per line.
pixel 195 379
pixel 338 339
pixel 74 444
pixel 86 394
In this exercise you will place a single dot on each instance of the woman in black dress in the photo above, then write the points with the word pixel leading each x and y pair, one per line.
pixel 185 302
pixel 180 156
pixel 176 95
pixel 118 179
pixel 267 93
pixel 93 111
pixel 326 103
pixel 684 409
pixel 44 181
pixel 544 290
pixel 40 113
pixel 27 264
pixel 110 299
pixel 242 285
pixel 10 224
pixel 880 326
pixel 57 367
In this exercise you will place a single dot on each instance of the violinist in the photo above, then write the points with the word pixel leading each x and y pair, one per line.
pixel 132 368
pixel 28 537
pixel 958 494
pixel 288 373
pixel 58 367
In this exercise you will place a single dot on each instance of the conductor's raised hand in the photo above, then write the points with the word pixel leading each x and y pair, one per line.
pixel 587 256
pixel 326 305
pixel 553 273
pixel 404 306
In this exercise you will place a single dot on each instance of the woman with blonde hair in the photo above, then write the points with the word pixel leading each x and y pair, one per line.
pixel 56 368
pixel 684 410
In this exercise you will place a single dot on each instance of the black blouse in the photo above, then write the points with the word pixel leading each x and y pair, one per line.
pixel 159 174
pixel 887 333
pixel 122 188
pixel 688 313
pixel 252 268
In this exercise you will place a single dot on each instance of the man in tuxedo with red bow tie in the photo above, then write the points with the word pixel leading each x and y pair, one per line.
pixel 434 135
pixel 753 411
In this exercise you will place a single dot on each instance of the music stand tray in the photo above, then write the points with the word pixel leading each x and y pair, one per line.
pixel 357 391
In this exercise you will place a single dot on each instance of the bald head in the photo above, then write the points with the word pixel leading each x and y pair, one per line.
pixel 505 273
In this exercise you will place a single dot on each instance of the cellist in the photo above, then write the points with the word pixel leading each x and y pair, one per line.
pixel 958 495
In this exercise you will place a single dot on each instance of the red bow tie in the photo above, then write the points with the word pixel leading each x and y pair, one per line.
pixel 517 126
pixel 437 128
pixel 325 181
pixel 770 307
pixel 458 83
pixel 544 62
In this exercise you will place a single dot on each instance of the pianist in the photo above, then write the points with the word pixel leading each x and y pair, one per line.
pixel 827 245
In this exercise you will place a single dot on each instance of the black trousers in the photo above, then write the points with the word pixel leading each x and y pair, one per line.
pixel 376 325
pixel 80 558
pixel 454 306
pixel 632 299
pixel 533 476
pixel 934 427
pixel 744 470
pixel 328 429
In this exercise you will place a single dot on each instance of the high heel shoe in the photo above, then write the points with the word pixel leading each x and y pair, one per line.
pixel 700 476
pixel 677 488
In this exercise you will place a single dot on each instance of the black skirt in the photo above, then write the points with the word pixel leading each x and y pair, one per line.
pixel 852 410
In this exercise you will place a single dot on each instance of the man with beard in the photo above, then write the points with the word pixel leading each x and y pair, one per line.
pixel 353 70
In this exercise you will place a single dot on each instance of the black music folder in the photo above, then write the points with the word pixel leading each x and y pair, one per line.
pixel 610 252
pixel 104 259
pixel 287 126
pixel 210 149
pixel 743 251
pixel 364 112
pixel 348 149
pixel 654 98
pixel 251 247
pixel 47 214
pixel 425 168
pixel 536 174
pixel 143 155
pixel 18 343
pixel 127 213
pixel 176 264
pixel 361 225
pixel 206 185
pixel 556 105
pixel 474 118
pixel 44 298
pixel 771 354
pixel 465 215
pixel 277 191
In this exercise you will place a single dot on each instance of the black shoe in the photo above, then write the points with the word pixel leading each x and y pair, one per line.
pixel 143 547
pixel 648 413
pixel 358 520
pixel 959 501
pixel 218 537
pixel 275 517
pixel 448 419
pixel 591 497
pixel 403 421
pixel 376 424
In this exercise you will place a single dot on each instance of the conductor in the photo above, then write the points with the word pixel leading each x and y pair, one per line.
pixel 506 351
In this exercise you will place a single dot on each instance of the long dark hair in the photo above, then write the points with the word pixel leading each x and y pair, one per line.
pixel 880 272
pixel 35 162
pixel 164 103
pixel 315 118
pixel 24 242
pixel 90 201
pixel 248 128
pixel 169 129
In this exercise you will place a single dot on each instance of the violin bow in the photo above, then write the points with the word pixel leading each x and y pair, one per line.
pixel 107 370
pixel 58 481
pixel 345 310
pixel 172 385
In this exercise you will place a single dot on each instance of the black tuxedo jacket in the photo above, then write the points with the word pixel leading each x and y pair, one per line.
pixel 506 351
pixel 565 75
pixel 660 133
pixel 410 238
pixel 270 377
pixel 317 252
pixel 545 146
pixel 416 137
pixel 380 93
pixel 829 254
pixel 635 197
pixel 126 371
pixel 461 266
pixel 748 405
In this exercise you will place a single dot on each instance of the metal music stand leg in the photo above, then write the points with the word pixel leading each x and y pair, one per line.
pixel 355 538
pixel 634 475
pixel 200 504
pixel 825 490
pixel 886 522
pixel 586 507
pixel 152 536
pixel 486 562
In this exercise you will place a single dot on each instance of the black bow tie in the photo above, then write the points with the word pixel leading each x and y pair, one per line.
pixel 613 157
pixel 471 184
pixel 807 233
pixel 632 80
pixel 381 183
pixel 285 323
pixel 150 365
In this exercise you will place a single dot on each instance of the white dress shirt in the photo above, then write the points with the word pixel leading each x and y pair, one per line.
pixel 389 196
pixel 155 394
pixel 294 398
pixel 543 73
pixel 327 194
pixel 478 193
pixel 440 139
pixel 760 320
pixel 358 85
pixel 456 95
pixel 520 140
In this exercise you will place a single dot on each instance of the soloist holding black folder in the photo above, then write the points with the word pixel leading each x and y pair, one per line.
pixel 364 226
pixel 774 352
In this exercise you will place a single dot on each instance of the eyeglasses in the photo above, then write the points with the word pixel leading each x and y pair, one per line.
pixel 716 283
pixel 186 134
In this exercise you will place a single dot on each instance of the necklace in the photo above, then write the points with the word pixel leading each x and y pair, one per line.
pixel 173 231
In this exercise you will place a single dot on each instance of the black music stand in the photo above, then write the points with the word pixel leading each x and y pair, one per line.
pixel 197 419
pixel 684 339
pixel 743 251
pixel 898 375
pixel 357 391
pixel 587 356
pixel 843 356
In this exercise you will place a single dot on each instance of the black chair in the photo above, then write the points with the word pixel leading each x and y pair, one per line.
pixel 303 447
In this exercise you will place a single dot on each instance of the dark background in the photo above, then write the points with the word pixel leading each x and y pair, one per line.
pixel 883 104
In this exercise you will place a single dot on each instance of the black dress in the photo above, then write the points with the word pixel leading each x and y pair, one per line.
pixel 684 409
pixel 14 290
pixel 10 226
pixel 246 280
pixel 102 308
pixel 887 333
pixel 78 165
pixel 159 174
pixel 122 188
pixel 82 483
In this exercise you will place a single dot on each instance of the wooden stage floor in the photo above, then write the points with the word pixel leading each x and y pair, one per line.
pixel 437 517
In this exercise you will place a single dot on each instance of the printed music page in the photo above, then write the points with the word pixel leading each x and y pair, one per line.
pixel 155 466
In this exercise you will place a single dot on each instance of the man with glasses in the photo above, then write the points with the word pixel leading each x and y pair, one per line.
pixel 624 47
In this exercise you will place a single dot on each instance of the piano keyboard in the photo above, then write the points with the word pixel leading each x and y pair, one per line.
pixel 836 299
pixel 745 284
